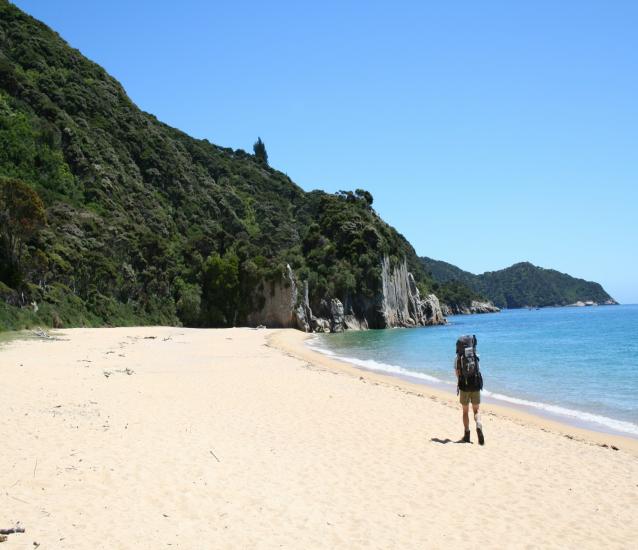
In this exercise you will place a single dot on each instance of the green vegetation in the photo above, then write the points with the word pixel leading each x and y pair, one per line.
pixel 456 294
pixel 520 285
pixel 21 215
pixel 145 224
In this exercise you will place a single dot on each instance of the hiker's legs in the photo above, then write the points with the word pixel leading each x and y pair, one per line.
pixel 477 418
pixel 479 426
pixel 464 398
pixel 466 417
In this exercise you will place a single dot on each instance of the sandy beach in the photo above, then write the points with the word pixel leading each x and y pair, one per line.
pixel 162 437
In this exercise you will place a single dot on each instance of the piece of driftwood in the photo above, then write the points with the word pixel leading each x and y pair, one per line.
pixel 16 529
pixel 44 335
pixel 41 334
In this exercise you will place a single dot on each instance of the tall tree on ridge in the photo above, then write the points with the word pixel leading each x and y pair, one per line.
pixel 260 151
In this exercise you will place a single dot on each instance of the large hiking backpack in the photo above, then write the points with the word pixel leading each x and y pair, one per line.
pixel 467 364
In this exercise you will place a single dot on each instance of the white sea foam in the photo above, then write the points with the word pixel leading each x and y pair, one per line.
pixel 610 423
pixel 555 410
pixel 371 364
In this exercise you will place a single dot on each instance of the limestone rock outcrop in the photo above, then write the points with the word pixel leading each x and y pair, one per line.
pixel 279 303
pixel 399 304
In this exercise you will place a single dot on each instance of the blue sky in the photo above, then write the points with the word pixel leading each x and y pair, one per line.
pixel 488 132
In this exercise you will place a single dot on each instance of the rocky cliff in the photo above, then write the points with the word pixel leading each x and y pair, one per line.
pixel 401 303
pixel 284 303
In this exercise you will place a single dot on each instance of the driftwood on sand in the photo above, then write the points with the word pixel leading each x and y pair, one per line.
pixel 12 530
pixel 43 334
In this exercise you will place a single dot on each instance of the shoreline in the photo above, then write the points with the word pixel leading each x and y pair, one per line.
pixel 561 414
pixel 295 343
pixel 297 346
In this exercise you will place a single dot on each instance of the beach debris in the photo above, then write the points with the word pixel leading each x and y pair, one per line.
pixel 150 337
pixel 217 459
pixel 3 538
pixel 126 371
pixel 17 529
pixel 614 448
pixel 260 327
pixel 40 333
pixel 44 335
pixel 167 338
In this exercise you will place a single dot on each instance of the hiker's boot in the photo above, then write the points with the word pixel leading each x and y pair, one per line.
pixel 481 439
pixel 466 437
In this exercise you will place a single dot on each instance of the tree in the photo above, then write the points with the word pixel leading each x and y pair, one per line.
pixel 364 195
pixel 220 290
pixel 189 302
pixel 260 151
pixel 22 213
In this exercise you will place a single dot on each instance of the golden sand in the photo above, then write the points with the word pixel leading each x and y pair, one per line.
pixel 180 438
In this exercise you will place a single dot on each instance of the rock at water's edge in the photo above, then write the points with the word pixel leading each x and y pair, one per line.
pixel 474 307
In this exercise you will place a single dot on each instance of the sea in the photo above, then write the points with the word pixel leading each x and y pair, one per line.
pixel 578 365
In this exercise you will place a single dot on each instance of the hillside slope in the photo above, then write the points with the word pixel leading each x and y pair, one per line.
pixel 521 285
pixel 148 225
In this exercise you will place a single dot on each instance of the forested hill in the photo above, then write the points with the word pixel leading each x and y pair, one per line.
pixel 109 216
pixel 521 285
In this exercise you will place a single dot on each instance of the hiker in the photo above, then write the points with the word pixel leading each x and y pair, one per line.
pixel 470 384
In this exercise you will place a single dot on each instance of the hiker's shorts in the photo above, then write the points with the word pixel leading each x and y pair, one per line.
pixel 465 397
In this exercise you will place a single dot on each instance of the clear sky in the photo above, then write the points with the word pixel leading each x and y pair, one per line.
pixel 488 132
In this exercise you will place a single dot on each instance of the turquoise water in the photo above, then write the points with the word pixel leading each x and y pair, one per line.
pixel 579 365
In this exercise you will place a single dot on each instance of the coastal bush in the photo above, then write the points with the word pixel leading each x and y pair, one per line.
pixel 220 290
pixel 456 294
pixel 189 302
pixel 22 213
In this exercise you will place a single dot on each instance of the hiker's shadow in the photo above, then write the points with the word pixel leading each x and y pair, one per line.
pixel 447 440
